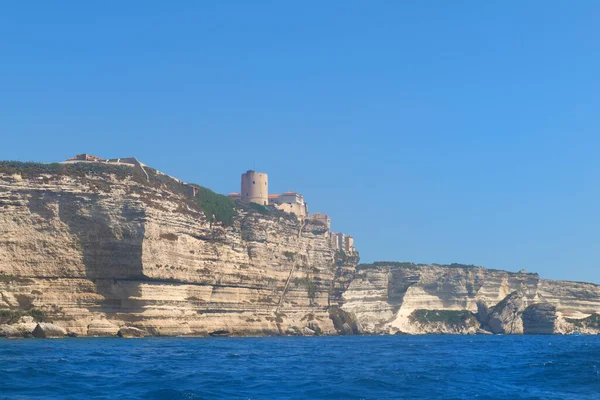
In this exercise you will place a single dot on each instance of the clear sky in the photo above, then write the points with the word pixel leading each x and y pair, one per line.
pixel 432 131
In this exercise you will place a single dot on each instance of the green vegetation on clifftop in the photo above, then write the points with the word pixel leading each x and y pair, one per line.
pixel 216 207
pixel 29 170
pixel 408 264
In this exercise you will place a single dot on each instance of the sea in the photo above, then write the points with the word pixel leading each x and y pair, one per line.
pixel 353 367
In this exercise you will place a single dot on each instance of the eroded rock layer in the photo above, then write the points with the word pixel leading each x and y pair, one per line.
pixel 409 298
pixel 101 249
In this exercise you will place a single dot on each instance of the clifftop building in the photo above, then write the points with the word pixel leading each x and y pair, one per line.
pixel 255 188
pixel 322 218
pixel 342 242
pixel 127 161
pixel 291 202
pixel 85 157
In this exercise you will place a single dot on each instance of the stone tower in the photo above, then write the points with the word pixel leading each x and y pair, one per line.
pixel 255 188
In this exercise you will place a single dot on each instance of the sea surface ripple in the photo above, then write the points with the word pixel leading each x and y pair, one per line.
pixel 363 367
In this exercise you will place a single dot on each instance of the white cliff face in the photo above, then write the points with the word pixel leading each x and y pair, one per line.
pixel 392 297
pixel 98 251
pixel 572 299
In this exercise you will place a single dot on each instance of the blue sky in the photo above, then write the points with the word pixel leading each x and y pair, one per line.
pixel 433 131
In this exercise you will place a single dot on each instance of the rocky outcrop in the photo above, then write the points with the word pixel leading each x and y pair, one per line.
pixel 95 248
pixel 9 331
pixel 572 299
pixel 409 298
pixel 443 322
pixel 382 296
pixel 344 322
pixel 98 249
pixel 46 330
pixel 131 332
pixel 589 325
pixel 102 328
pixel 23 327
pixel 540 319
pixel 506 316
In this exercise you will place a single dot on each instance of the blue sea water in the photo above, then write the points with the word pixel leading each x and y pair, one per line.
pixel 364 367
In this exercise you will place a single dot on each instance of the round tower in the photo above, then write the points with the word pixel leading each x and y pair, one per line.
pixel 255 188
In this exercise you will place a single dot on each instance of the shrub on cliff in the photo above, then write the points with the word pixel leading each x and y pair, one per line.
pixel 30 170
pixel 592 322
pixel 407 264
pixel 402 264
pixel 452 318
pixel 216 207
pixel 309 284
pixel 13 316
pixel 259 208
pixel 342 258
pixel 254 208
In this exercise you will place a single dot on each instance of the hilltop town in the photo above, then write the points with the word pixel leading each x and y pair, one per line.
pixel 254 188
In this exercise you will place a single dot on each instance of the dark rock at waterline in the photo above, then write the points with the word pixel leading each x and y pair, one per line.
pixel 131 332
pixel 344 323
pixel 221 333
pixel 539 319
pixel 46 330
pixel 315 327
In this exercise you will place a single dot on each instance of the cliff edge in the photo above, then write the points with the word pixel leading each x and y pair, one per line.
pixel 390 297
pixel 97 249
pixel 94 249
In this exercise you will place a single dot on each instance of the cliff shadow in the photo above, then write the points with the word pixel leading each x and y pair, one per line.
pixel 110 236
pixel 399 281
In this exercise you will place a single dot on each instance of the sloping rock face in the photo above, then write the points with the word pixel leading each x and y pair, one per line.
pixel 444 322
pixel 10 331
pixel 384 297
pixel 572 299
pixel 589 325
pixel 506 315
pixel 97 248
pixel 540 319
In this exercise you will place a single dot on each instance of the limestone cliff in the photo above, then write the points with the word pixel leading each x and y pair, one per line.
pixel 404 297
pixel 96 248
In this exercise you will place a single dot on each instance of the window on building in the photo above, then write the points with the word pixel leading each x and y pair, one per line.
pixel 254 182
